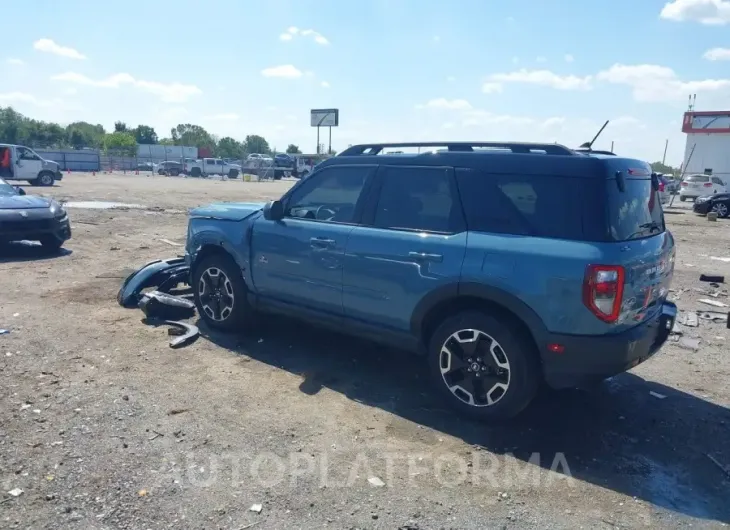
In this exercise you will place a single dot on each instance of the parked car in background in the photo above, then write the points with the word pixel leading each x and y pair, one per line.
pixel 718 203
pixel 663 191
pixel 169 167
pixel 26 164
pixel 145 166
pixel 417 251
pixel 695 186
pixel 27 217
pixel 211 166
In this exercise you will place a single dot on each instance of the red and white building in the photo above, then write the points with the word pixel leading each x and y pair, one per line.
pixel 708 132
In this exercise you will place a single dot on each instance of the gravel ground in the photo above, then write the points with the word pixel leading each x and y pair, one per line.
pixel 102 425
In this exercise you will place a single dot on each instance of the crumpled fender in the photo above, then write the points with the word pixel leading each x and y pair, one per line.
pixel 153 274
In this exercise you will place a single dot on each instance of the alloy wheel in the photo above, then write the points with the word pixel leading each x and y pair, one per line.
pixel 474 367
pixel 720 209
pixel 215 292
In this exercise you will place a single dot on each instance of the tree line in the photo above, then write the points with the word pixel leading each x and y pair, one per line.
pixel 15 128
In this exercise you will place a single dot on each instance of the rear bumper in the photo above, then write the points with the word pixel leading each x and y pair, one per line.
pixel 587 359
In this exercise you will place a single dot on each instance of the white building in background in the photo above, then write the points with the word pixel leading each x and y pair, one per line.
pixel 708 132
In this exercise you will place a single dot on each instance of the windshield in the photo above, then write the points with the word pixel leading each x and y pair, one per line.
pixel 635 212
pixel 6 190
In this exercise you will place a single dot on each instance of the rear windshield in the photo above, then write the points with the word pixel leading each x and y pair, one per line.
pixel 698 178
pixel 634 213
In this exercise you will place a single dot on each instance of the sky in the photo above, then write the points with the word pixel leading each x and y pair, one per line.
pixel 398 70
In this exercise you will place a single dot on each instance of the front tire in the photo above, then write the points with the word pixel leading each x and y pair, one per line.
pixel 721 210
pixel 220 293
pixel 682 199
pixel 51 243
pixel 45 179
pixel 483 366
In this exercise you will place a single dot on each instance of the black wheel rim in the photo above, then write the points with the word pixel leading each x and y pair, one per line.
pixel 475 368
pixel 215 292
pixel 46 180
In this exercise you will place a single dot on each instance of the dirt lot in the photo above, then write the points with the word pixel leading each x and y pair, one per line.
pixel 102 425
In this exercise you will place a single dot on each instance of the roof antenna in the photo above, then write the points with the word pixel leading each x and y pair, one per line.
pixel 589 145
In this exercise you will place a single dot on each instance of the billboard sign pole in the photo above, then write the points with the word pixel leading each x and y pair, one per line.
pixel 325 118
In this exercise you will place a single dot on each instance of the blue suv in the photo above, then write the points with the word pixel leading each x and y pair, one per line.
pixel 506 265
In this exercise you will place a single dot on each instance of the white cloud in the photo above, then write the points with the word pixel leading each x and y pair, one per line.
pixel 168 92
pixel 324 84
pixel 15 62
pixel 230 116
pixel 70 91
pixel 446 104
pixel 555 121
pixel 491 88
pixel 544 78
pixel 717 54
pixel 658 83
pixel 709 12
pixel 318 37
pixel 48 46
pixel 309 73
pixel 287 71
pixel 24 97
pixel 541 59
pixel 569 58
pixel 293 31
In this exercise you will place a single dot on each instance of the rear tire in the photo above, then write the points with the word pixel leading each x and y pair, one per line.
pixel 195 172
pixel 682 199
pixel 496 380
pixel 221 295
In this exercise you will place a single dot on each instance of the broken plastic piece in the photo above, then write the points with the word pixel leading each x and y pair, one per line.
pixel 153 274
pixel 163 306
pixel 189 335
pixel 712 278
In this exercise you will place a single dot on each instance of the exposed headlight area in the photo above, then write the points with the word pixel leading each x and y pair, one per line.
pixel 58 211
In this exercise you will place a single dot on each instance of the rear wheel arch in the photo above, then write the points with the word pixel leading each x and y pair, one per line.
pixel 448 300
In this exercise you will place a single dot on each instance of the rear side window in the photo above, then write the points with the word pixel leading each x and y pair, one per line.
pixel 634 213
pixel 417 198
pixel 698 178
pixel 530 205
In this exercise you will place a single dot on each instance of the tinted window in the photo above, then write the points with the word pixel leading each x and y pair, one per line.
pixel 635 212
pixel 539 205
pixel 716 180
pixel 415 198
pixel 698 178
pixel 328 195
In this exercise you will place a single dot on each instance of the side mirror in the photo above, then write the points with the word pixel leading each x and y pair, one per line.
pixel 20 190
pixel 273 211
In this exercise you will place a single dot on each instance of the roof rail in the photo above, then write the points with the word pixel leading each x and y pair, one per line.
pixel 461 147
pixel 593 151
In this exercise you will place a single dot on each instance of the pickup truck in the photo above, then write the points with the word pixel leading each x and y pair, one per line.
pixel 26 164
pixel 211 166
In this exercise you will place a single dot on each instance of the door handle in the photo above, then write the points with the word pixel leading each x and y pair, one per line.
pixel 321 242
pixel 425 256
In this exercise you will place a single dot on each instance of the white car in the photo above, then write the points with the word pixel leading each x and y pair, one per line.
pixel 695 186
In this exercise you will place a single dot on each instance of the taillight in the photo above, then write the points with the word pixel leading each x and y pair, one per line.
pixel 684 184
pixel 707 184
pixel 661 186
pixel 603 289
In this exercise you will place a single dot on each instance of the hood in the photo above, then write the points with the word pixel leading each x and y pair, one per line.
pixel 231 211
pixel 50 164
pixel 23 202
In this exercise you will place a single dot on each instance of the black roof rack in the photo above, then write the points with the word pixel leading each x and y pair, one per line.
pixel 593 151
pixel 461 147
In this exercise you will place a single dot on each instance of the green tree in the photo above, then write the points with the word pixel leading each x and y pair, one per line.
pixel 658 167
pixel 12 125
pixel 229 148
pixel 256 144
pixel 82 134
pixel 144 134
pixel 293 149
pixel 167 141
pixel 120 126
pixel 120 143
pixel 192 135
